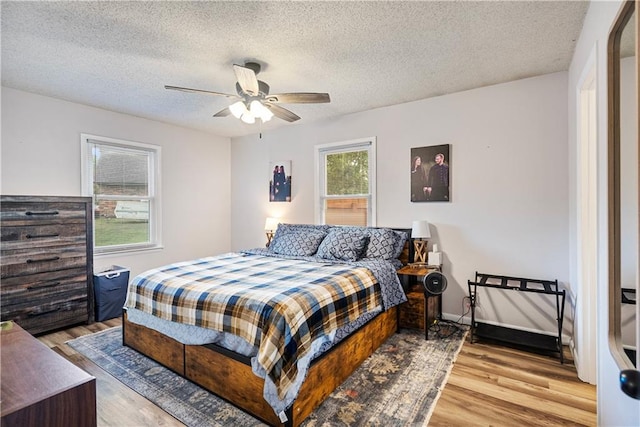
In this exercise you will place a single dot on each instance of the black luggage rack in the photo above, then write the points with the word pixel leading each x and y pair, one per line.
pixel 514 336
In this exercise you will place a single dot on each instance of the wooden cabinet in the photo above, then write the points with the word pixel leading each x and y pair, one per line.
pixel 41 388
pixel 412 312
pixel 420 307
pixel 47 261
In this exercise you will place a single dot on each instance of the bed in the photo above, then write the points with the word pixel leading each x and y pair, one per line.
pixel 273 331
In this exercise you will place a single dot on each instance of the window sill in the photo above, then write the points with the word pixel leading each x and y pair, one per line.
pixel 125 251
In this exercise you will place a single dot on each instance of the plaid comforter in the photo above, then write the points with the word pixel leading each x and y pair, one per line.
pixel 279 305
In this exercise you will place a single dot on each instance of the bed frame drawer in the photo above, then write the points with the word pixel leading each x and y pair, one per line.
pixel 161 348
pixel 233 380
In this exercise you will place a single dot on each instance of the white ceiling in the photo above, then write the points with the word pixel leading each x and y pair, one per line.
pixel 119 55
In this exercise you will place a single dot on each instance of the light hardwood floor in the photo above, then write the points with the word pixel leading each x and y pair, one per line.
pixel 489 385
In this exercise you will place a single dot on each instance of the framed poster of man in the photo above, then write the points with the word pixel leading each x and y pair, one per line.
pixel 280 182
pixel 430 174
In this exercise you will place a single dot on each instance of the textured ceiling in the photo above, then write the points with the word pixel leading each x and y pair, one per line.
pixel 119 55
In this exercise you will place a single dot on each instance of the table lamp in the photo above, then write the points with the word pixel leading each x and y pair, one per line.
pixel 420 233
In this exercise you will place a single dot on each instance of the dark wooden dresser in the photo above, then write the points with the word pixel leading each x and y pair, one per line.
pixel 47 261
pixel 41 388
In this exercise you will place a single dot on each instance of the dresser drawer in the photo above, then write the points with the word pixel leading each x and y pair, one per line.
pixel 36 235
pixel 64 309
pixel 15 290
pixel 24 212
pixel 43 302
pixel 22 262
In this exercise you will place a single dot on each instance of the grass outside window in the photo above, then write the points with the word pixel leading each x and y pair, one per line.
pixel 114 231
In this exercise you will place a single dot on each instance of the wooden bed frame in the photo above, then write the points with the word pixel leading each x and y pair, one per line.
pixel 229 375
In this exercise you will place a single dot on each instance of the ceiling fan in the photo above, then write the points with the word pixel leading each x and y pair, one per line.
pixel 254 100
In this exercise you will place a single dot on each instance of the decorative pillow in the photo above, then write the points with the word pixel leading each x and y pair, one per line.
pixel 382 243
pixel 287 228
pixel 400 238
pixel 343 245
pixel 297 243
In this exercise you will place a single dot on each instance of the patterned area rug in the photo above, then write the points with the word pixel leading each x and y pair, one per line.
pixel 396 386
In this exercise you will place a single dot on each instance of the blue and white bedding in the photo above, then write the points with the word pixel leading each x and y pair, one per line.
pixel 337 257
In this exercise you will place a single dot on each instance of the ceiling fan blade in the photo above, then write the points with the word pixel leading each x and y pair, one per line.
pixel 223 113
pixel 282 113
pixel 247 79
pixel 208 92
pixel 299 98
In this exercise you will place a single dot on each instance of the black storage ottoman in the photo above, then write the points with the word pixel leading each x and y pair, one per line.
pixel 110 289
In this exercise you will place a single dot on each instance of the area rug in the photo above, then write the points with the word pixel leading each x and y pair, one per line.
pixel 398 385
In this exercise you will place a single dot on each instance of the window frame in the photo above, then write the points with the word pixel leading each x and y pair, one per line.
pixel 321 151
pixel 154 153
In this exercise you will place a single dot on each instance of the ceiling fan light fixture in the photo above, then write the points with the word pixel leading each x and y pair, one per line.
pixel 253 100
pixel 238 109
pixel 258 109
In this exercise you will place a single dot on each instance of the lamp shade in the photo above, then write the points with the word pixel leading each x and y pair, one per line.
pixel 420 230
pixel 238 109
pixel 271 224
pixel 248 118
pixel 259 110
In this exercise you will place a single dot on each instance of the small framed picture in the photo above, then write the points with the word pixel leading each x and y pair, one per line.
pixel 430 174
pixel 280 181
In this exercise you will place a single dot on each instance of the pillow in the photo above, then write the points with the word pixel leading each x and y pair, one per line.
pixel 400 238
pixel 297 243
pixel 382 244
pixel 287 228
pixel 343 245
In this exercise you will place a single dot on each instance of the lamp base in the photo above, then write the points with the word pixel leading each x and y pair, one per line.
pixel 269 237
pixel 420 254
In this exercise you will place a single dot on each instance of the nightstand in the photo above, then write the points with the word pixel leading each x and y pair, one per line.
pixel 422 308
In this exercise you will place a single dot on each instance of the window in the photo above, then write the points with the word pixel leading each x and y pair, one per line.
pixel 123 179
pixel 346 176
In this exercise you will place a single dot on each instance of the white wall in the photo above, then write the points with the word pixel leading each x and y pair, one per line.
pixel 509 185
pixel 41 156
